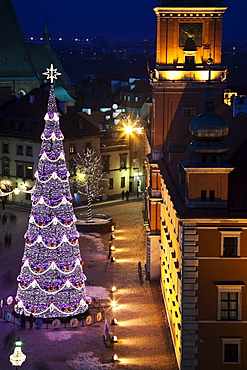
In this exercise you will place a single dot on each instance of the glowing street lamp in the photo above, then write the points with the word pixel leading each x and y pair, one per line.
pixel 18 357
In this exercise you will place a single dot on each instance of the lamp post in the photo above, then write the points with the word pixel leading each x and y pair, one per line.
pixel 18 357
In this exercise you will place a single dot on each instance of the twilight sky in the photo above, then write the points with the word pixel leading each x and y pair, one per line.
pixel 115 19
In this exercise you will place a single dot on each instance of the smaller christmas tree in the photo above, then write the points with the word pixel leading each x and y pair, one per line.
pixel 51 280
pixel 89 177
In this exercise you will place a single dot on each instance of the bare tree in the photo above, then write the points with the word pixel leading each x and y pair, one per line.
pixel 89 177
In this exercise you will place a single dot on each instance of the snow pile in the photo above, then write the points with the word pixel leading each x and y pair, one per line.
pixel 63 335
pixel 95 239
pixel 97 292
pixel 87 361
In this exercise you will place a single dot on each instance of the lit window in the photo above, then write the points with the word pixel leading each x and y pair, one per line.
pixel 72 148
pixel 123 158
pixel 231 350
pixel 135 163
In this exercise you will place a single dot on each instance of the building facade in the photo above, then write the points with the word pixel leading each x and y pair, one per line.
pixel 196 207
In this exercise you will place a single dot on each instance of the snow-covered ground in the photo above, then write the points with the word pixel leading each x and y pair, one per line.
pixel 87 361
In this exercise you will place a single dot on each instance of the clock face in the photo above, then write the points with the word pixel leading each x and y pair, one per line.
pixel 190 30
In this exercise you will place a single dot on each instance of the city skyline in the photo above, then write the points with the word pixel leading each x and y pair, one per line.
pixel 116 23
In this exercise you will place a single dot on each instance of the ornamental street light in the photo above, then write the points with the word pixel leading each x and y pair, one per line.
pixel 18 357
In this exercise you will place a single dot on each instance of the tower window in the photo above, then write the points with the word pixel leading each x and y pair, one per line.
pixel 211 195
pixel 203 195
pixel 189 62
pixel 213 158
pixel 188 112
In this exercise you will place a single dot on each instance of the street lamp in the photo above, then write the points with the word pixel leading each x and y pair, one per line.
pixel 18 357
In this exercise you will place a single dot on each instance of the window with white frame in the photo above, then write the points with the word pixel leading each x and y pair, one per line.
pixel 29 150
pixel 231 350
pixel 230 243
pixel 122 182
pixel 106 163
pixel 19 149
pixel 5 167
pixel 123 160
pixel 5 148
pixel 230 301
pixel 110 183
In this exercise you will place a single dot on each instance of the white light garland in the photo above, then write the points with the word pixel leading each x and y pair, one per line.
pixel 53 176
pixel 34 284
pixel 53 266
pixel 64 240
pixel 82 304
pixel 55 221
pixel 52 137
pixel 16 191
pixel 45 157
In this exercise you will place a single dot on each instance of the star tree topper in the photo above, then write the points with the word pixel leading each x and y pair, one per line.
pixel 51 73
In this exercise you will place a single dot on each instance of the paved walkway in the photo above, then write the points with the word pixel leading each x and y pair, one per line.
pixel 144 340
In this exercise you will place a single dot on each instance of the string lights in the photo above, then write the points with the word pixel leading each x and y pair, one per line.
pixel 51 282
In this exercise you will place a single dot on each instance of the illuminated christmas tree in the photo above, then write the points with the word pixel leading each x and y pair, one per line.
pixel 51 281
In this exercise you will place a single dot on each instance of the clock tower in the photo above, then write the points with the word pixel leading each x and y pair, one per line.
pixel 189 45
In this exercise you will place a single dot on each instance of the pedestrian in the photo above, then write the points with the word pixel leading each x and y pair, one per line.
pixel 12 218
pixel 9 340
pixel 127 195
pixel 31 319
pixel 109 251
pixel 123 195
pixel 140 272
pixel 4 200
pixel 9 240
pixel 23 320
pixel 6 239
pixel 4 219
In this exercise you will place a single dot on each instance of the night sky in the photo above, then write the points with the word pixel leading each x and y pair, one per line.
pixel 115 19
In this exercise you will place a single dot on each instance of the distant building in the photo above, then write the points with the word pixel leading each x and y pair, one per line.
pixel 22 64
pixel 21 125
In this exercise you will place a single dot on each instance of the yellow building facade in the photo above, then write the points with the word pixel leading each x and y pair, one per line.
pixel 196 207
